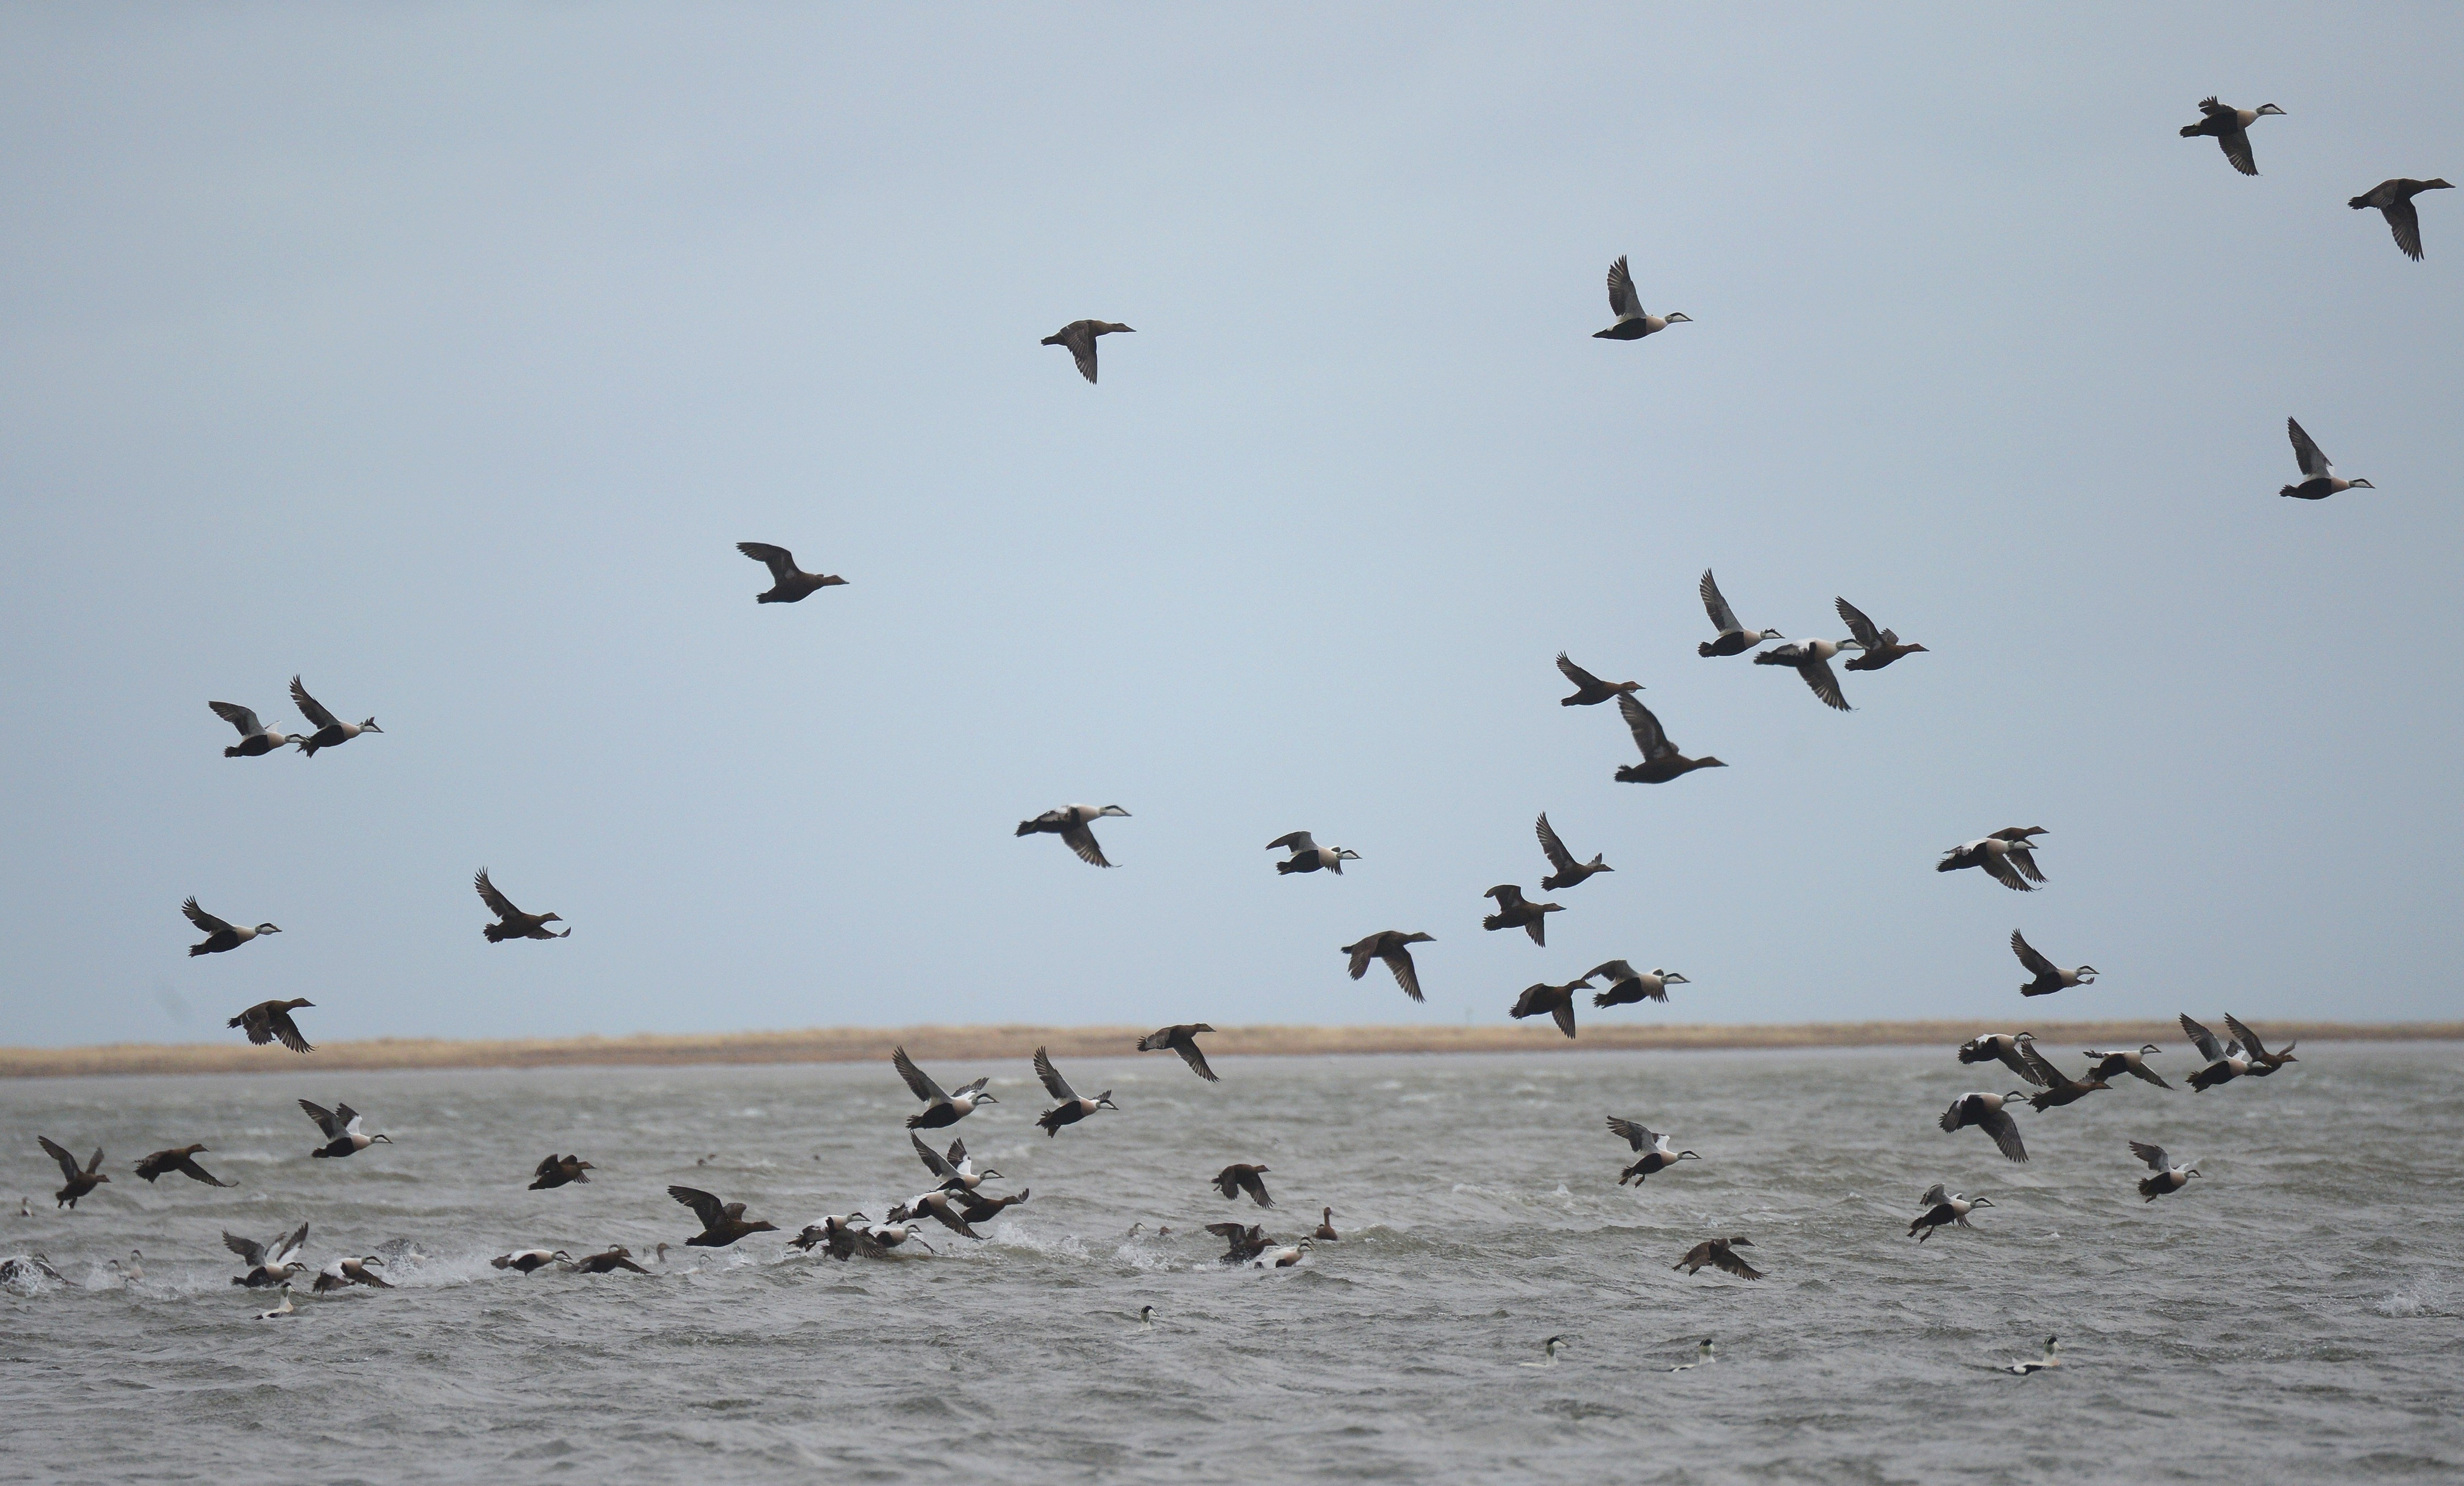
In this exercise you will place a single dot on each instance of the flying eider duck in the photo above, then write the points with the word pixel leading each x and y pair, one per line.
pixel 2007 856
pixel 1567 872
pixel 789 583
pixel 511 921
pixel 2394 201
pixel 557 1170
pixel 1990 1113
pixel 344 1136
pixel 1282 1258
pixel 1182 1039
pixel 221 938
pixel 2059 1088
pixel 1940 1208
pixel 531 1261
pixel 1656 1155
pixel 1987 1047
pixel 1069 823
pixel 270 1021
pixel 1811 660
pixel 956 1172
pixel 2049 976
pixel 1660 760
pixel 1590 691
pixel 1309 857
pixel 977 1208
pixel 2318 477
pixel 2052 1359
pixel 1242 1242
pixel 833 1234
pixel 721 1223
pixel 1556 1002
pixel 1079 335
pixel 2226 125
pixel 610 1259
pixel 286 1308
pixel 1326 1234
pixel 182 1159
pixel 876 1243
pixel 1393 948
pixel 1071 1108
pixel 2167 1178
pixel 1734 638
pixel 344 1273
pixel 255 739
pixel 134 1269
pixel 1719 1253
pixel 1702 1355
pixel 80 1183
pixel 1631 323
pixel 271 1263
pixel 1548 1353
pixel 2135 1064
pixel 940 1109
pixel 1515 912
pixel 2223 1064
pixel 944 1207
pixel 1242 1177
pixel 1628 985
pixel 1877 647
pixel 2261 1061
pixel 330 729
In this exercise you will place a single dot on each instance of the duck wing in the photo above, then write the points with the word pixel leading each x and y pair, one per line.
pixel 1623 300
pixel 1648 735
pixel 238 717
pixel 1053 1083
pixel 285 1032
pixel 1082 841
pixel 2046 1074
pixel 2406 223
pixel 2154 1154
pixel 932 1159
pixel 1508 897
pixel 1825 685
pixel 706 1207
pixel 924 1088
pixel 204 919
pixel 67 1162
pixel 2248 1043
pixel 2035 964
pixel 1187 1047
pixel 1723 1257
pixel 2005 1132
pixel 780 561
pixel 1858 625
pixel 283 1249
pixel 1723 618
pixel 325 1118
pixel 250 1252
pixel 2202 1039
pixel 1997 866
pixel 1298 841
pixel 2234 141
pixel 1633 1132
pixel 1610 970
pixel 497 903
pixel 1361 954
pixel 2143 1071
pixel 1407 975
pixel 310 707
pixel 2306 453
pixel 1553 848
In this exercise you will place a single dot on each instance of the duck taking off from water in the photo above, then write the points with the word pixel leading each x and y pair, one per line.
pixel 1567 872
pixel 721 1223
pixel 1309 857
pixel 1079 335
pixel 2007 856
pixel 1283 1258
pixel 271 1263
pixel 1069 823
pixel 559 1170
pixel 2261 1061
pixel 1990 1113
pixel 344 1273
pixel 1242 1177
pixel 1656 1154
pixel 789 583
pixel 1514 912
pixel 511 921
pixel 1811 660
pixel 1242 1242
pixel 1393 948
pixel 1070 1108
pixel 255 739
pixel 1720 1253
pixel 182 1159
pixel 530 1261
pixel 2394 201
pixel 1556 1000
pixel 344 1136
pixel 940 1109
pixel 1660 760
pixel 330 729
pixel 2223 1066
pixel 1590 691
pixel 2226 125
pixel 220 937
pixel 1733 638
pixel 2318 477
pixel 1987 1047
pixel 2049 976
pixel 956 1172
pixel 1627 984
pixel 2167 1177
pixel 1183 1040
pixel 1631 323
pixel 2059 1088
pixel 78 1182
pixel 1941 1208
pixel 616 1256
pixel 270 1021
pixel 1879 647
pixel 2052 1358
pixel 2135 1064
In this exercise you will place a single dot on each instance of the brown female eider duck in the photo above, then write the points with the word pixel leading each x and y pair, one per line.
pixel 1241 1176
pixel 1590 691
pixel 2226 124
pixel 1516 912
pixel 80 1183
pixel 617 1258
pixel 1326 1234
pixel 331 730
pixel 557 1170
pixel 940 1109
pixel 721 1223
pixel 1079 335
pixel 1719 1253
pixel 182 1159
pixel 1389 948
pixel 1660 760
pixel 2395 200
pixel 1071 1108
pixel 1242 1242
pixel 511 921
pixel 270 1021
pixel 789 583
pixel 1568 872
pixel 1878 648
pixel 220 937
pixel 1183 1040
pixel 344 1136
pixel 2059 1087
pixel 1556 1002
pixel 2261 1061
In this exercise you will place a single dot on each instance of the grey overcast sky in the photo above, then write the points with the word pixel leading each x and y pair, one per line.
pixel 441 354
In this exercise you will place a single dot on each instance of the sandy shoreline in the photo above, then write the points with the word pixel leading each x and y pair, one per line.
pixel 855 1044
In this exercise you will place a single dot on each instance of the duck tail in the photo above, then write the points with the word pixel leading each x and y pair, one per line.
pixel 1703 650
pixel 2359 203
pixel 1283 869
pixel 231 752
pixel 2189 131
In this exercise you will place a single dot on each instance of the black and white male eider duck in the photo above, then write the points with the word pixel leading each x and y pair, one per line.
pixel 2059 1088
pixel 2227 126
pixel 1628 985
pixel 1590 691
pixel 1181 1038
pixel 1548 1353
pixel 2049 976
pixel 221 937
pixel 2318 477
pixel 1309 857
pixel 1567 871
pixel 1631 323
pixel 1877 647
pixel 955 1171
pixel 1516 912
pixel 1719 1253
pixel 255 739
pixel 2007 856
pixel 1734 638
pixel 286 1308
pixel 1811 659
pixel 1990 1113
pixel 331 730
pixel 344 1136
pixel 1071 1107
pixel 2167 1177
pixel 1703 1354
pixel 557 1170
pixel 940 1109
pixel 721 1223
pixel 1987 1047
pixel 1282 1258
pixel 182 1159
pixel 1242 1177
pixel 1069 823
pixel 2224 1064
pixel 607 1260
pixel 1940 1208
pixel 1656 1154
pixel 1392 948
pixel 789 583
pixel 270 1021
pixel 2135 1064
pixel 531 1261
pixel 271 1263
pixel 344 1273
pixel 511 921
pixel 2393 199
pixel 1662 761
pixel 2052 1358
pixel 78 1182
pixel 1554 1001
pixel 2261 1061
pixel 1079 335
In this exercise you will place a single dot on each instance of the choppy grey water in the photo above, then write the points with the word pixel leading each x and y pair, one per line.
pixel 2288 1317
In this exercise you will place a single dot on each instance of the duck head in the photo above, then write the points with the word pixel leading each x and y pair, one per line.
pixel 1671 978
pixel 2264 109
pixel 1104 1100
pixel 272 928
pixel 2087 974
pixel 370 726
pixel 1675 318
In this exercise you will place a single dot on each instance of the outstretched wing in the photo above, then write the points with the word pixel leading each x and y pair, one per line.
pixel 497 903
pixel 250 1250
pixel 1728 1262
pixel 309 706
pixel 925 1088
pixel 1406 975
pixel 780 561
pixel 2005 1132
pixel 2305 452
pixel 324 1119
pixel 1612 970
pixel 2154 1154
pixel 1553 848
pixel 1825 685
pixel 932 1159
pixel 1576 673
pixel 1723 618
pixel 2202 1039
pixel 67 1162
pixel 2406 223
pixel 1298 841
pixel 1187 1048
pixel 2037 964
pixel 284 1249
pixel 202 919
pixel 2045 1073
pixel 1858 625
pixel 2234 141
pixel 1082 841
pixel 1648 735
pixel 1633 1132
pixel 2249 1044
pixel 1934 1197
pixel 1622 298
pixel 707 1208
pixel 1053 1083
pixel 1508 897
pixel 1997 866
pixel 238 717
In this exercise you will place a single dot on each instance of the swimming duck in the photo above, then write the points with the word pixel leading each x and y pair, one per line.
pixel 1069 823
pixel 1942 1208
pixel 1878 648
pixel 1656 1152
pixel 1627 984
pixel 2051 1359
pixel 286 1308
pixel 1079 335
pixel 2059 1088
pixel 271 1263
pixel 789 583
pixel 2049 976
pixel 2225 124
pixel 511 921
pixel 80 1183
pixel 2135 1064
pixel 2167 1178
pixel 2318 477
pixel 220 938
pixel 1660 760
pixel 1392 948
pixel 270 1021
pixel 2222 1064
pixel 1326 1234
pixel 1513 912
pixel 330 729
pixel 344 1273
pixel 1071 1108
pixel 1811 660
pixel 2007 856
pixel 1548 1353
pixel 1590 691
pixel 255 739
pixel 610 1259
pixel 1241 1242
pixel 1701 1356
pixel 1556 1002
pixel 940 1109
pixel 2394 201
pixel 1720 1253
pixel 1309 857
pixel 1146 1317
pixel 1241 1176
pixel 1282 1258
pixel 1987 1047
pixel 134 1269
pixel 1991 1114
pixel 956 1172
pixel 1734 638
pixel 2261 1061
pixel 531 1261
pixel 721 1223
pixel 342 1126
pixel 1632 324
pixel 1569 872
pixel 1183 1040
pixel 182 1159
pixel 557 1170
